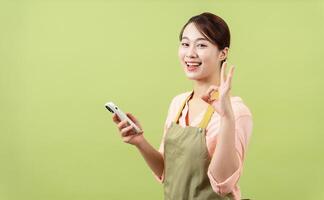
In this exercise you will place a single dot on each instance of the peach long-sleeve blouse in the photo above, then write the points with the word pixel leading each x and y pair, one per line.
pixel 243 129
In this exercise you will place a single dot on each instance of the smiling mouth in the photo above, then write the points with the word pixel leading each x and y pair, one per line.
pixel 193 64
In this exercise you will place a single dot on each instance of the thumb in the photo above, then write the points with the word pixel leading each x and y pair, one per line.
pixel 135 121
pixel 214 95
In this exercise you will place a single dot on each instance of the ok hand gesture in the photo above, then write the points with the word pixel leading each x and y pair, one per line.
pixel 220 95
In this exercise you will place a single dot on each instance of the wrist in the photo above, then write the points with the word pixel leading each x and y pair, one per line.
pixel 228 117
pixel 228 113
pixel 224 111
pixel 141 141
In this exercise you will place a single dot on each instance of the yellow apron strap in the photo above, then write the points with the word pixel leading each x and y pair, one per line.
pixel 181 108
pixel 208 114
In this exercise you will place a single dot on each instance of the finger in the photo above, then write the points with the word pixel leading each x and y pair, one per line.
pixel 214 95
pixel 223 70
pixel 122 124
pixel 134 120
pixel 128 138
pixel 230 75
pixel 205 98
pixel 207 95
pixel 212 89
pixel 125 131
pixel 132 117
pixel 231 70
pixel 115 118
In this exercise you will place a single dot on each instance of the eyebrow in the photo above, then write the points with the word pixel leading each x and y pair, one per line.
pixel 195 40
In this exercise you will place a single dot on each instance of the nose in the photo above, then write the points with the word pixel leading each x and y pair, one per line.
pixel 191 52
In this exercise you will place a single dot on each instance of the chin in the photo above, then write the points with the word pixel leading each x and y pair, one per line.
pixel 194 77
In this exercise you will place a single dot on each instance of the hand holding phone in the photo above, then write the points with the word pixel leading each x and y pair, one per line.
pixel 111 107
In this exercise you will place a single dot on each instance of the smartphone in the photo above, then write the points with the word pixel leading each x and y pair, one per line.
pixel 111 107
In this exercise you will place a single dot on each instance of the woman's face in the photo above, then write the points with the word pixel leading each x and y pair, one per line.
pixel 198 57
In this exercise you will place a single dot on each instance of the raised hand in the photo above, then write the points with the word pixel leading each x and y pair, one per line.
pixel 220 95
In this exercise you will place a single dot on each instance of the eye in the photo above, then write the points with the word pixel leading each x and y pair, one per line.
pixel 201 45
pixel 184 44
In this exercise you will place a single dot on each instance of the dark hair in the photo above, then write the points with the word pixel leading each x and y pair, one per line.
pixel 212 27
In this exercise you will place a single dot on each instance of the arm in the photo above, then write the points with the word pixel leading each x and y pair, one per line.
pixel 226 164
pixel 152 157
pixel 225 160
pixel 224 184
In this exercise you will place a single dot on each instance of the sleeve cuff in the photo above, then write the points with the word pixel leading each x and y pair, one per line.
pixel 225 187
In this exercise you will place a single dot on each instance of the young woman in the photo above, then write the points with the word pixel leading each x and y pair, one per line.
pixel 207 130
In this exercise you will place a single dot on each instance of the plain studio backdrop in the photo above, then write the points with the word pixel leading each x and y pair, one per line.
pixel 61 61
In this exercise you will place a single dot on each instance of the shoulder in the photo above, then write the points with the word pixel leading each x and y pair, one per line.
pixel 176 102
pixel 240 108
pixel 179 98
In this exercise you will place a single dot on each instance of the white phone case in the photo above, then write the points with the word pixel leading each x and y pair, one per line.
pixel 111 107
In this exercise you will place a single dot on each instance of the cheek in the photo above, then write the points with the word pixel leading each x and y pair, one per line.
pixel 181 53
pixel 208 58
pixel 209 63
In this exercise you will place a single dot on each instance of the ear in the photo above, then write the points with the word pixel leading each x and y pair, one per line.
pixel 223 53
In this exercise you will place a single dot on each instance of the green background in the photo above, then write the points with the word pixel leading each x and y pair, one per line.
pixel 60 61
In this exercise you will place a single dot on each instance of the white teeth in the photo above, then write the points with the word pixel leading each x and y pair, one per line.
pixel 193 64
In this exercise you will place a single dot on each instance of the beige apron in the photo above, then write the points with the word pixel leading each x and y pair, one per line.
pixel 186 161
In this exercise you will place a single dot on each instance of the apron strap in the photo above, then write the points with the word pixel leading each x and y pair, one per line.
pixel 181 108
pixel 208 114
